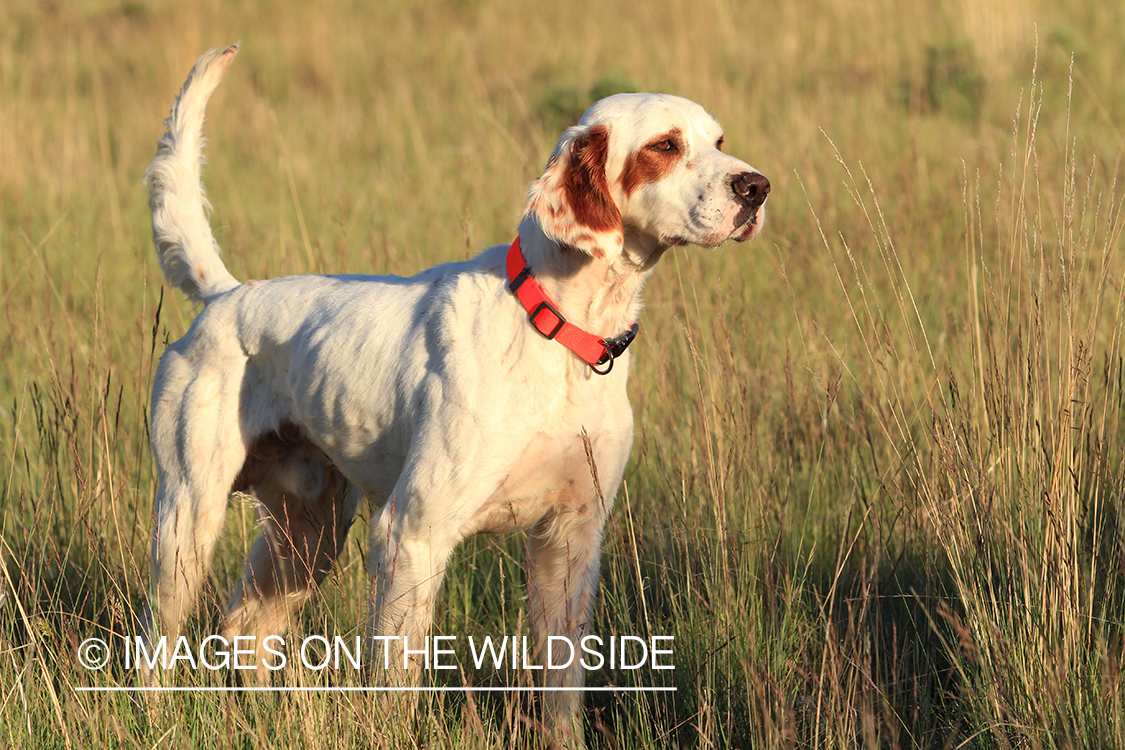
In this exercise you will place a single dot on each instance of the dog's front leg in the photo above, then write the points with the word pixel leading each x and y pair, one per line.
pixel 564 554
pixel 407 561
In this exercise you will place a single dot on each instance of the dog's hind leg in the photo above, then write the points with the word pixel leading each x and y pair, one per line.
pixel 198 445
pixel 306 508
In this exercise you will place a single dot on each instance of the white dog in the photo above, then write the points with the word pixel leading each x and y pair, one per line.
pixel 482 396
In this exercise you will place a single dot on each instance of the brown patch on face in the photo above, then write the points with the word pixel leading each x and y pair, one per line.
pixel 653 162
pixel 585 185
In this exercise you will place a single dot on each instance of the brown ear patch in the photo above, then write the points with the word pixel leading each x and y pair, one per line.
pixel 652 163
pixel 584 182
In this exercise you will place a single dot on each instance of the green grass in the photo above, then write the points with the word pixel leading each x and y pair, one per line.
pixel 877 488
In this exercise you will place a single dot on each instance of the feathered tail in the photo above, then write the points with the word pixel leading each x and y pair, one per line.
pixel 189 255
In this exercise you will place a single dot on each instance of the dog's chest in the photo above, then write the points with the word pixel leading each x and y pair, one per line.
pixel 558 471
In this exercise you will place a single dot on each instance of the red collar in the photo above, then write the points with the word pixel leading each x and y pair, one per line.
pixel 550 322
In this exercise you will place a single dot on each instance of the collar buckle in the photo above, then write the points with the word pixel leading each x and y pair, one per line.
pixel 546 306
pixel 614 348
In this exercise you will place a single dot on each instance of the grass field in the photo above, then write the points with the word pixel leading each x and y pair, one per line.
pixel 877 493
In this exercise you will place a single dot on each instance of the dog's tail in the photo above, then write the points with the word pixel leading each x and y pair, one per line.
pixel 189 255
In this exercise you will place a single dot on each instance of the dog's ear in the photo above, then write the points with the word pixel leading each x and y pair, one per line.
pixel 572 200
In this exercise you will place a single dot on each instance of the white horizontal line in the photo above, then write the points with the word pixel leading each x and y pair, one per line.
pixel 329 689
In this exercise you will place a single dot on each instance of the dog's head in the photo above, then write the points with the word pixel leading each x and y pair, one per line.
pixel 649 164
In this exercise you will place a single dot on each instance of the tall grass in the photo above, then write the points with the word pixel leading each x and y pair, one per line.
pixel 876 491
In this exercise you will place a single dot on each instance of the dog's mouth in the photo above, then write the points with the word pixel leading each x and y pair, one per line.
pixel 749 226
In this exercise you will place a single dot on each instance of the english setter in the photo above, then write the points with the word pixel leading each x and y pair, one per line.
pixel 480 396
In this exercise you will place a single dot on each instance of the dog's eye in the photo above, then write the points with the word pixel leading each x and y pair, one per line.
pixel 664 145
pixel 719 143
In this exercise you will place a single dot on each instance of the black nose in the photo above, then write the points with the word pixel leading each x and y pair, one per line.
pixel 750 188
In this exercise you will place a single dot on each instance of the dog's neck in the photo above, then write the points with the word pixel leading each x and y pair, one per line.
pixel 603 298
